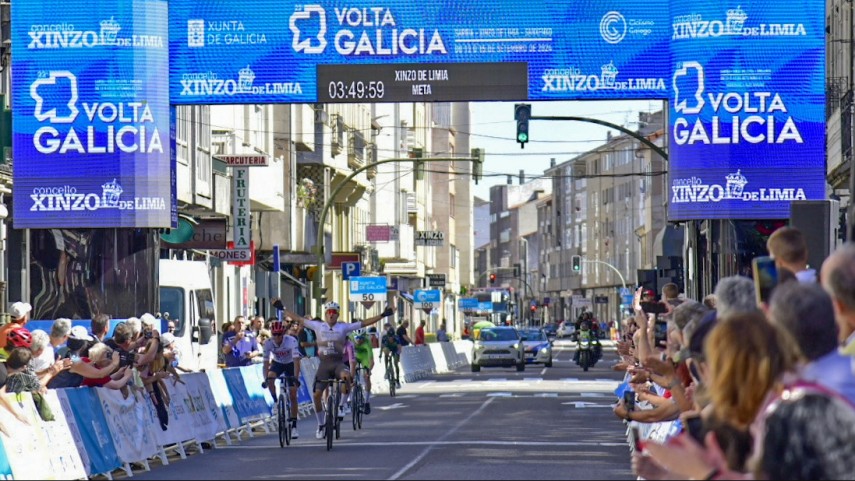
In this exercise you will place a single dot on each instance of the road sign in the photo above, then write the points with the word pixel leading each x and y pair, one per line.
pixel 625 291
pixel 467 303
pixel 350 270
pixel 366 289
pixel 339 258
pixel 627 300
pixel 425 299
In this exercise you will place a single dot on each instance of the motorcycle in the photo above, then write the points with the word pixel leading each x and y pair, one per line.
pixel 586 354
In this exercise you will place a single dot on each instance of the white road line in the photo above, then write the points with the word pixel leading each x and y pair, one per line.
pixel 440 441
pixel 497 379
pixel 426 384
pixel 500 394
pixel 543 373
pixel 533 379
pixel 435 444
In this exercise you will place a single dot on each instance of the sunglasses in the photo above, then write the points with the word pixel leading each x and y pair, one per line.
pixel 279 335
pixel 331 311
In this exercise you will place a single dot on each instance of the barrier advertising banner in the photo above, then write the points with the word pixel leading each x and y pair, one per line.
pixel 89 428
pixel 23 442
pixel 129 424
pixel 747 108
pixel 91 117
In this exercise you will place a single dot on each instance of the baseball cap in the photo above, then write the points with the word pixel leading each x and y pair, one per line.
pixel 80 333
pixel 167 339
pixel 20 309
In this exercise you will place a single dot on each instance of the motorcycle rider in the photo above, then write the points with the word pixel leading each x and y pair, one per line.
pixel 585 333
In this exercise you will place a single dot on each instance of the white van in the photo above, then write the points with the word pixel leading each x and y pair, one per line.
pixel 187 298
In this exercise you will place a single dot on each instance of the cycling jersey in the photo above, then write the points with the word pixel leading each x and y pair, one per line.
pixel 349 353
pixel 390 342
pixel 285 352
pixel 364 354
pixel 331 340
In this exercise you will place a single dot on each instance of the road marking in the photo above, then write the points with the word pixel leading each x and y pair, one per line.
pixel 500 394
pixel 452 395
pixel 595 394
pixel 570 379
pixel 434 444
pixel 532 379
pixel 497 379
pixel 393 406
pixel 440 441
pixel 586 405
pixel 547 394
pixel 543 373
pixel 426 384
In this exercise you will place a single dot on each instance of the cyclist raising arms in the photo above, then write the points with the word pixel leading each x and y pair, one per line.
pixel 331 338
pixel 286 357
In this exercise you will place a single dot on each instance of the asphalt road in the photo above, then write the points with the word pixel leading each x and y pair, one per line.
pixel 543 423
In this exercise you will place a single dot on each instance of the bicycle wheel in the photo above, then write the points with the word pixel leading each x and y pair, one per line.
pixel 330 424
pixel 354 407
pixel 282 421
pixel 288 426
pixel 338 395
pixel 361 405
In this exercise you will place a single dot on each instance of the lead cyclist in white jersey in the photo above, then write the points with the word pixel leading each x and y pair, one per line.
pixel 331 337
pixel 286 360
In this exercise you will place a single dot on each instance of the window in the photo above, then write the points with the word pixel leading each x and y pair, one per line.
pixel 455 257
pixel 451 205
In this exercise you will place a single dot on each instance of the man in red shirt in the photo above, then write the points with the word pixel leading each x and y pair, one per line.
pixel 420 334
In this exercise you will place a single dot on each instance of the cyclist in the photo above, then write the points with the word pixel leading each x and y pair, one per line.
pixel 284 349
pixel 391 347
pixel 365 358
pixel 331 340
pixel 350 367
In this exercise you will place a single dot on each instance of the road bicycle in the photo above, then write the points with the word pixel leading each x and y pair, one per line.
pixel 284 409
pixel 332 428
pixel 357 399
pixel 390 374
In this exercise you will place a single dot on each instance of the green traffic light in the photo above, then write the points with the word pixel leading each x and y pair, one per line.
pixel 522 137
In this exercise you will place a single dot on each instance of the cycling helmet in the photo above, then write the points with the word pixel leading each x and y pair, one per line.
pixel 277 327
pixel 19 337
pixel 332 306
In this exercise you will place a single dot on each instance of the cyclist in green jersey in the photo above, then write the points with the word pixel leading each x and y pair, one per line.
pixel 365 357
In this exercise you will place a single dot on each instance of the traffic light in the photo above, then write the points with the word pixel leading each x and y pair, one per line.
pixel 522 114
pixel 478 166
pixel 418 153
pixel 492 278
pixel 533 308
pixel 577 264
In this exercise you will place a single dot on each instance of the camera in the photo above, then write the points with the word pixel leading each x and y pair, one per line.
pixel 148 334
pixel 127 358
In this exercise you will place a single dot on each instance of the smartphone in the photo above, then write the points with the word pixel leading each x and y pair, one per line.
pixel 636 439
pixel 654 308
pixel 765 278
pixel 629 400
pixel 661 333
pixel 695 427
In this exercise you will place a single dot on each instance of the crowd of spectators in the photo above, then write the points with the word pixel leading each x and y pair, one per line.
pixel 136 360
pixel 758 389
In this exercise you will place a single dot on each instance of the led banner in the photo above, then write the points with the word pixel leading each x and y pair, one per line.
pixel 91 114
pixel 275 51
pixel 747 117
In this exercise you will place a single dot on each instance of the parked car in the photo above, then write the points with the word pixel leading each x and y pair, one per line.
pixel 566 329
pixel 498 347
pixel 551 330
pixel 538 348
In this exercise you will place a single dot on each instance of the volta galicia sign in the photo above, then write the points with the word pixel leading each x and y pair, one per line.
pixel 93 83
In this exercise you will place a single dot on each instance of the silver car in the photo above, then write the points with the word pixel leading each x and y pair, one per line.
pixel 498 347
pixel 538 349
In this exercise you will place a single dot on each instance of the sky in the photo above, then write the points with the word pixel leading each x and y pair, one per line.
pixel 494 129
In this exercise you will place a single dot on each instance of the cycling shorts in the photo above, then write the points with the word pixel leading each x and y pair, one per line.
pixel 279 369
pixel 329 369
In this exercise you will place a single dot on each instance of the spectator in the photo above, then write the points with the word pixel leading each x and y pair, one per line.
pixel 257 325
pixel 152 374
pixel 747 358
pixel 671 294
pixel 239 348
pixel 441 334
pixel 99 357
pixel 170 326
pixel 23 379
pixel 135 324
pixel 100 327
pixel 838 278
pixel 79 343
pixel 806 313
pixel 788 247
pixel 710 301
pixel 20 314
pixel 263 336
pixel 58 337
pixel 172 354
pixel 420 334
pixel 403 337
pixel 43 369
pixel 17 337
pixel 735 295
pixel 307 341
